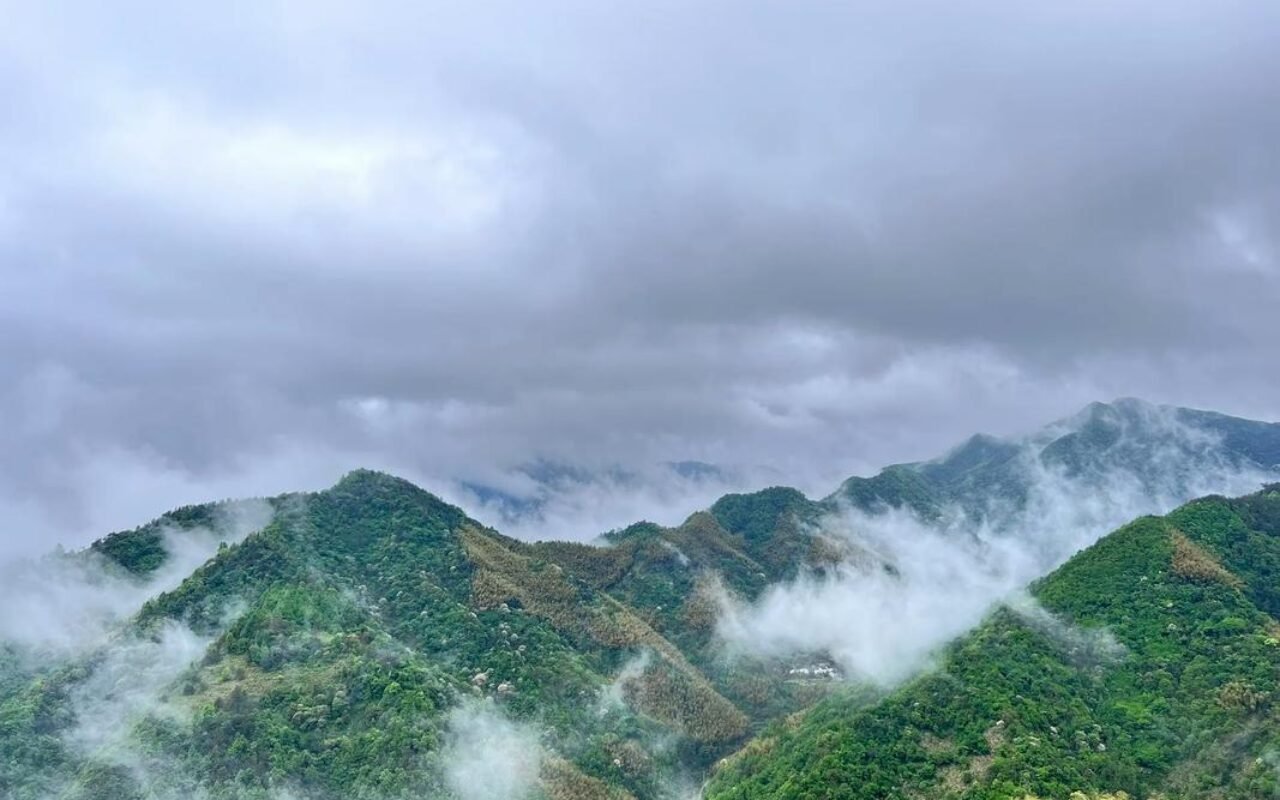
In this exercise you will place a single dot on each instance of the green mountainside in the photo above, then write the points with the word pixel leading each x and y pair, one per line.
pixel 373 641
pixel 1147 664
pixel 335 641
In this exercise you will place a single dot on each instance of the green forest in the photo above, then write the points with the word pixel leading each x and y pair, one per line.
pixel 373 641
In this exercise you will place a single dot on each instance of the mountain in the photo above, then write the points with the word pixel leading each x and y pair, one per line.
pixel 327 654
pixel 1150 450
pixel 1147 664
pixel 372 641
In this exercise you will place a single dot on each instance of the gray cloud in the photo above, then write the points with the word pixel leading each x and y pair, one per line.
pixel 245 249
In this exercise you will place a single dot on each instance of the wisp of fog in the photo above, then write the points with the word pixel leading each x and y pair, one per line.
pixel 67 603
pixel 488 756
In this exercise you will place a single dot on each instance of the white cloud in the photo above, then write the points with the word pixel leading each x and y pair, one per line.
pixel 127 684
pixel 488 756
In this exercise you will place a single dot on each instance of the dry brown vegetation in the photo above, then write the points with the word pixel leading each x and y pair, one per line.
pixel 1194 563
pixel 954 779
pixel 1241 696
pixel 702 609
pixel 599 566
pixel 562 781
pixel 670 690
pixel 700 534
pixel 686 702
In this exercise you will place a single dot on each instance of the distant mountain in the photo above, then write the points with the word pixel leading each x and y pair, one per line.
pixel 1146 665
pixel 529 493
pixel 1164 453
pixel 1157 451
pixel 373 641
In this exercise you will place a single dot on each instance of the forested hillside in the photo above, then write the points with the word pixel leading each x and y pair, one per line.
pixel 331 648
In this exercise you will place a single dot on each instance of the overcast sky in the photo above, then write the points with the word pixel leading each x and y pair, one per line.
pixel 246 247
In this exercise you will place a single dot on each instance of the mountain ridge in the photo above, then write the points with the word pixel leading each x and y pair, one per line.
pixel 337 640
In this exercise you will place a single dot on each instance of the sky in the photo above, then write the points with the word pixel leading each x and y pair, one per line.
pixel 246 247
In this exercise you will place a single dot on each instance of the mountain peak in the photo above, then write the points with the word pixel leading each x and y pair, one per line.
pixel 1116 412
pixel 370 479
pixel 374 485
pixel 369 502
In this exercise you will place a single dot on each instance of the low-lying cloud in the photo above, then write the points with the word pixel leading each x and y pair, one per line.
pixel 488 756
pixel 613 695
pixel 878 625
pixel 134 679
pixel 127 684
pixel 1085 647
pixel 883 625
pixel 68 603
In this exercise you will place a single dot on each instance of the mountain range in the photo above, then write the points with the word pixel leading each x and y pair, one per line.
pixel 373 641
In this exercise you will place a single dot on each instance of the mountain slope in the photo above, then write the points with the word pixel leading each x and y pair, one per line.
pixel 332 647
pixel 1145 664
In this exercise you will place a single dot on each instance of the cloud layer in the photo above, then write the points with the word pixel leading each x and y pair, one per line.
pixel 244 249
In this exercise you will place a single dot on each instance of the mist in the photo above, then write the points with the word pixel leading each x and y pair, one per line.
pixel 66 604
pixel 128 684
pixel 1082 646
pixel 884 625
pixel 487 756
